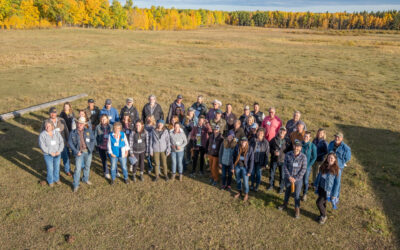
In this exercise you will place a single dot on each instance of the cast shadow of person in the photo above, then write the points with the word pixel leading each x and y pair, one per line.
pixel 378 151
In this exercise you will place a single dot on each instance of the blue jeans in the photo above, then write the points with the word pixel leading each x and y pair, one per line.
pixel 114 164
pixel 256 175
pixel 177 159
pixel 306 177
pixel 149 164
pixel 53 168
pixel 82 161
pixel 65 158
pixel 241 172
pixel 274 166
pixel 297 189
pixel 226 171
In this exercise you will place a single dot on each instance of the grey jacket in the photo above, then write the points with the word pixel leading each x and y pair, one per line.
pixel 60 126
pixel 294 166
pixel 160 144
pixel 51 144
pixel 178 139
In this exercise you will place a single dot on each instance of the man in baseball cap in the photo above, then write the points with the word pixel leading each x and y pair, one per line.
pixel 110 112
pixel 130 110
pixel 93 112
pixel 176 108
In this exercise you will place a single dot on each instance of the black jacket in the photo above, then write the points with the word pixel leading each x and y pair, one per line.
pixel 157 112
pixel 132 112
pixel 214 140
pixel 280 145
pixel 173 110
pixel 200 109
pixel 261 151
pixel 248 161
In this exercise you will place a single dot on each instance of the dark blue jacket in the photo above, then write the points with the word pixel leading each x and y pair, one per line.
pixel 249 159
pixel 294 166
pixel 322 148
pixel 74 141
pixel 260 154
pixel 310 150
pixel 343 153
pixel 99 133
pixel 112 114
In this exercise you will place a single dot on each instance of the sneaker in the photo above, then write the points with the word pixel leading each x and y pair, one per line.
pixel 211 181
pixel 270 188
pixel 180 177
pixel 131 168
pixel 126 181
pixel 88 183
pixel 304 198
pixel 156 179
pixel 134 178
pixel 58 182
pixel 214 183
pixel 112 182
pixel 192 175
pixel 228 188
pixel 149 172
pixel 255 189
pixel 280 191
pixel 108 176
pixel 76 189
pixel 323 219
pixel 141 178
pixel 118 174
pixel 166 179
pixel 51 185
pixel 282 207
pixel 201 173
pixel 223 187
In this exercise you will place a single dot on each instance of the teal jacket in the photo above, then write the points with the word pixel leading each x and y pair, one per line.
pixel 310 150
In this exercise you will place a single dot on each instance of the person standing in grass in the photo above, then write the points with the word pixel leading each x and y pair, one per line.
pixel 343 154
pixel 245 116
pixel 81 141
pixel 130 110
pixel 111 112
pixel 82 113
pixel 52 144
pixel 322 151
pixel 188 123
pixel 291 125
pixel 212 112
pixel 218 121
pixel 271 124
pixel 118 148
pixel 69 116
pixel 248 124
pixel 279 146
pixel 160 148
pixel 310 150
pixel 229 117
pixel 199 137
pixel 60 126
pixel 178 143
pixel 152 109
pixel 139 141
pixel 213 145
pixel 93 113
pixel 225 159
pixel 294 167
pixel 325 184
pixel 260 146
pixel 149 127
pixel 238 130
pixel 258 115
pixel 199 107
pixel 176 108
pixel 102 135
pixel 253 131
pixel 243 157
pixel 298 134
pixel 127 128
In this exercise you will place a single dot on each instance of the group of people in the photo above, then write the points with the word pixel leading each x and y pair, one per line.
pixel 240 146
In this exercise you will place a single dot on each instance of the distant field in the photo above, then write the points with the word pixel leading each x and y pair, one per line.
pixel 347 81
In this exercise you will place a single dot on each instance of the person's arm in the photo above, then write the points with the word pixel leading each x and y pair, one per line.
pixel 251 163
pixel 161 112
pixel 207 143
pixel 267 155
pixel 127 147
pixel 144 113
pixel 285 167
pixel 131 143
pixel 60 143
pixel 147 142
pixel 336 186
pixel 109 145
pixel 151 143
pixel 303 169
pixel 185 140
pixel 169 116
pixel 220 153
pixel 347 157
pixel 66 131
pixel 115 113
pixel 168 145
pixel 71 145
pixel 43 145
pixel 313 154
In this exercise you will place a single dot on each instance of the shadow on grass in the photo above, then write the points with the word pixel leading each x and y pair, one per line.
pixel 378 151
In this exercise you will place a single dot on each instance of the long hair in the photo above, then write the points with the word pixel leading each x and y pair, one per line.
pixel 230 144
pixel 242 150
pixel 70 107
pixel 333 169
pixel 141 131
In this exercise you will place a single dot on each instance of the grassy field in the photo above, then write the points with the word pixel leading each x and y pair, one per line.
pixel 343 81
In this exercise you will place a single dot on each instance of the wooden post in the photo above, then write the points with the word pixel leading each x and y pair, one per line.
pixel 20 112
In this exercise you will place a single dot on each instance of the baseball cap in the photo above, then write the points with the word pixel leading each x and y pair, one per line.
pixel 108 102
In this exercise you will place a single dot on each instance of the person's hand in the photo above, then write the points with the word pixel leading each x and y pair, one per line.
pixel 173 147
pixel 220 165
pixel 292 180
pixel 168 154
pixel 178 148
pixel 126 154
pixel 132 155
pixel 147 155
pixel 113 155
pixel 58 153
pixel 151 154
pixel 53 154
pixel 248 174
pixel 79 153
pixel 276 153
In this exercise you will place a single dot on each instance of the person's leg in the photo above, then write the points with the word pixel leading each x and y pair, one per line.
pixel 65 157
pixel 87 163
pixel 164 163
pixel 77 173
pixel 141 162
pixel 114 162
pixel 149 163
pixel 48 159
pixel 174 157
pixel 122 161
pixel 306 177
pixel 245 180
pixel 202 159
pixel 339 180
pixel 214 169
pixel 281 177
pixel 194 160
pixel 210 162
pixel 238 179
pixel 224 173
pixel 272 174
pixel 321 201
pixel 298 185
pixel 315 170
pixel 258 176
pixel 56 168
pixel 180 159
pixel 156 158
pixel 253 177
pixel 287 193
pixel 229 170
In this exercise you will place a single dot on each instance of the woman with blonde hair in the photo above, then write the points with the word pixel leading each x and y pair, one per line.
pixel 68 115
pixel 118 148
pixel 322 151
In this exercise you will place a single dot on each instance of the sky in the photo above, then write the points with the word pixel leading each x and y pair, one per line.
pixel 283 5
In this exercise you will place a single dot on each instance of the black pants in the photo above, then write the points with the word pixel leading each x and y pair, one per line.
pixel 103 157
pixel 140 162
pixel 196 152
pixel 321 201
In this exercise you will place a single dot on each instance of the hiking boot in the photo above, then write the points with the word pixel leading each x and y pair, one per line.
pixel 180 177
pixel 296 212
pixel 76 189
pixel 166 178
pixel 282 207
pixel 134 178
pixel 88 183
pixel 126 181
pixel 304 198
pixel 112 182
pixel 323 219
pixel 51 185
pixel 238 195
pixel 246 197
pixel 141 177
pixel 108 176
pixel 280 191
pixel 223 187
pixel 149 172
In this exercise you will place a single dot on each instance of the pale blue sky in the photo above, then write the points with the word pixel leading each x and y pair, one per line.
pixel 284 5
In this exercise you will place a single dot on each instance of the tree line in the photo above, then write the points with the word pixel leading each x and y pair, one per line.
pixel 25 14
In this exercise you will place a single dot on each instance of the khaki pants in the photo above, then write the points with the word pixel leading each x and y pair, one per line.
pixel 315 170
pixel 160 158
pixel 213 160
